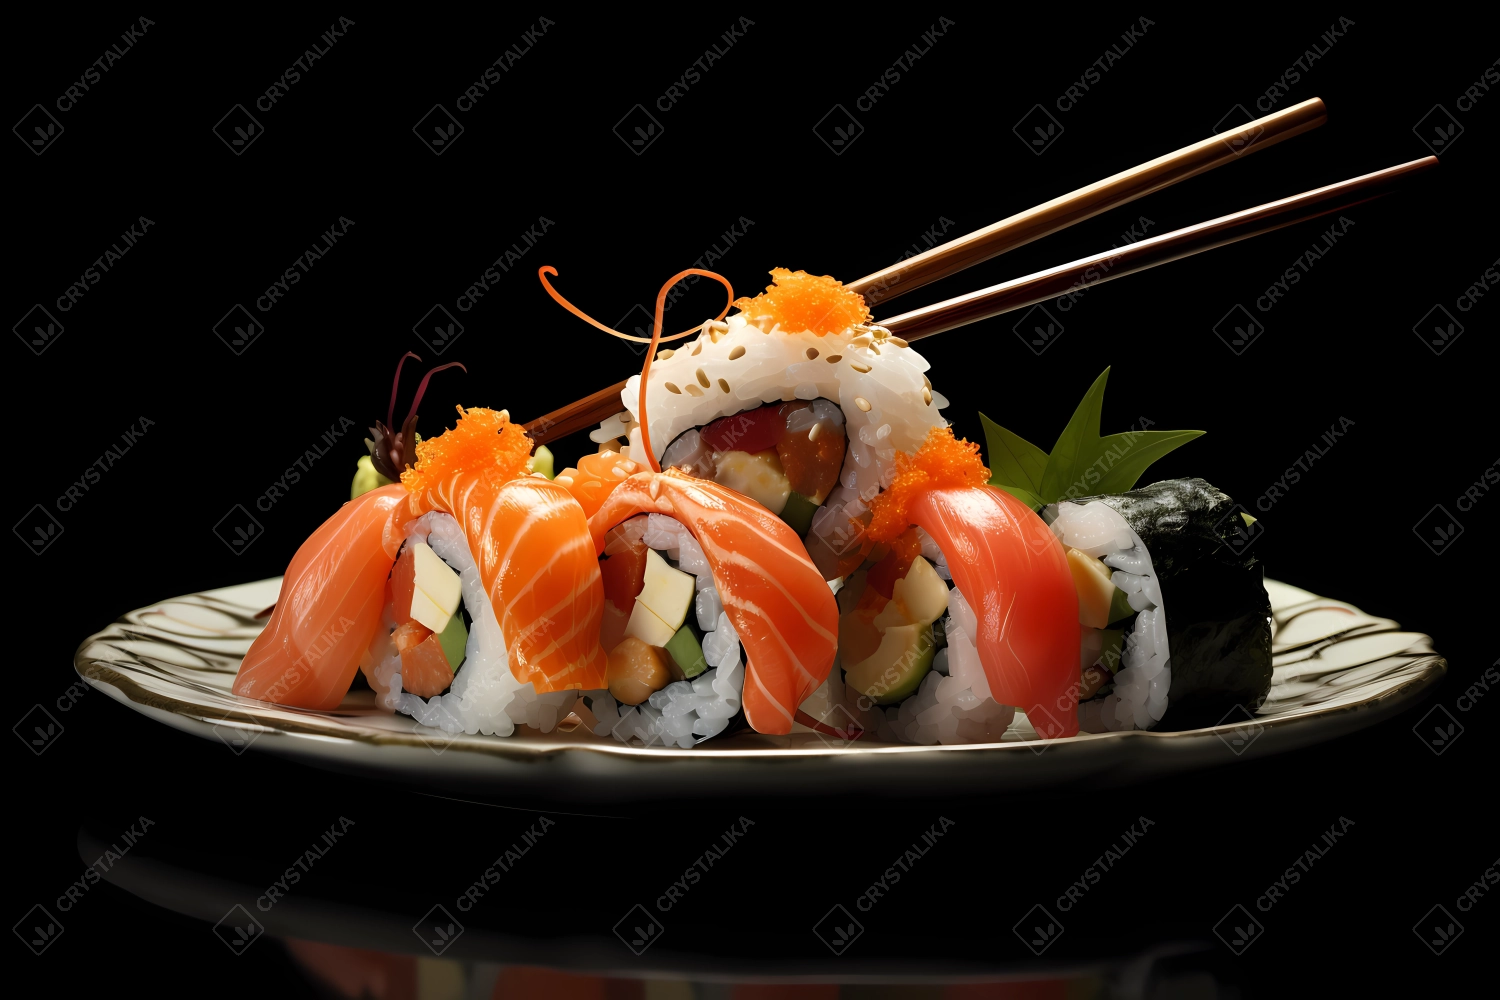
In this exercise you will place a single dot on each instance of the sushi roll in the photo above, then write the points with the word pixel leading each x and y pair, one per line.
pixel 796 401
pixel 962 616
pixel 714 618
pixel 1176 620
pixel 468 594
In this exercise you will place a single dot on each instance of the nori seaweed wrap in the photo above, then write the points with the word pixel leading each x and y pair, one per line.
pixel 1208 589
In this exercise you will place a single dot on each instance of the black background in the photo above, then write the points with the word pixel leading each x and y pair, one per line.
pixel 739 145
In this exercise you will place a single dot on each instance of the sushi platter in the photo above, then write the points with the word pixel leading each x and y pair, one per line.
pixel 1337 670
pixel 781 572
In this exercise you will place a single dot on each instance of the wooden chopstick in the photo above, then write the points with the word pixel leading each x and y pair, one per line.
pixel 1007 234
pixel 1043 285
pixel 1087 202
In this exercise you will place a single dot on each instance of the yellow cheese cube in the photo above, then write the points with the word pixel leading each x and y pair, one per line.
pixel 667 592
pixel 647 627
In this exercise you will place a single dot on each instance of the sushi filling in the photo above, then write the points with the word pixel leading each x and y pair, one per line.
pixel 923 682
pixel 483 696
pixel 695 676
pixel 1125 683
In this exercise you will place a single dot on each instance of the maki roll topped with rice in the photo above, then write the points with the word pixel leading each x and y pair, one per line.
pixel 797 401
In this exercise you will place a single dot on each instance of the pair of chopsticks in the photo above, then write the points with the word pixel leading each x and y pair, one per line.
pixel 1058 214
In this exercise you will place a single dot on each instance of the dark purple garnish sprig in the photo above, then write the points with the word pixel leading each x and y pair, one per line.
pixel 392 451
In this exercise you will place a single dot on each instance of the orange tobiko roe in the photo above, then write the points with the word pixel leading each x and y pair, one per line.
pixel 595 478
pixel 483 444
pixel 799 301
pixel 943 462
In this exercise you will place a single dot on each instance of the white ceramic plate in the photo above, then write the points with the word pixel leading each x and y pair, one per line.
pixel 1337 669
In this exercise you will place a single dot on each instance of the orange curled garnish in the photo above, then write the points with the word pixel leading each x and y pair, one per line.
pixel 595 478
pixel 942 462
pixel 483 443
pixel 800 301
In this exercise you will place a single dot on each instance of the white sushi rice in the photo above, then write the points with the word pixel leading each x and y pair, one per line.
pixel 485 696
pixel 885 408
pixel 1139 698
pixel 683 712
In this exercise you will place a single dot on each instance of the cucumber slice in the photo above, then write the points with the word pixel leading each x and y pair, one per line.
pixel 453 639
pixel 798 513
pixel 686 653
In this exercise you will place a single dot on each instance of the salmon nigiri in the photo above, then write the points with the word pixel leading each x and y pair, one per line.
pixel 530 541
pixel 330 606
pixel 776 599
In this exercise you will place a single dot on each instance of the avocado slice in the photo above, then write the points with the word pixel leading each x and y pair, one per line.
pixel 1119 607
pixel 541 461
pixel 453 638
pixel 1113 650
pixel 798 513
pixel 897 667
pixel 686 653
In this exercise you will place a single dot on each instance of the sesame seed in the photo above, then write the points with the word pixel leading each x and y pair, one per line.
pixel 673 388
pixel 724 384
pixel 664 355
pixel 628 465
pixel 564 480
pixel 718 324
pixel 703 378
pixel 874 348
pixel 859 367
pixel 899 342
pixel 504 414
pixel 862 403
pixel 693 390
pixel 926 382
pixel 737 353
pixel 618 472
pixel 861 341
pixel 698 347
pixel 812 434
pixel 812 354
pixel 834 359
pixel 927 396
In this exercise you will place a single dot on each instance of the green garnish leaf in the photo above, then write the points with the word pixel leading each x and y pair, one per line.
pixel 1013 460
pixel 1027 497
pixel 1081 463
